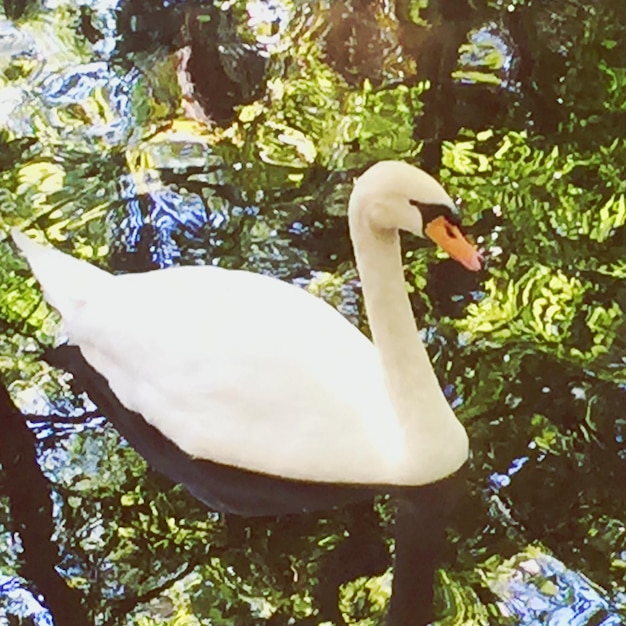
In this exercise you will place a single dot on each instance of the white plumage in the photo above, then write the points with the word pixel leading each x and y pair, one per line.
pixel 252 372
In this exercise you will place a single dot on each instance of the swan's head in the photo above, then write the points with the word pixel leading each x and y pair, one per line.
pixel 393 195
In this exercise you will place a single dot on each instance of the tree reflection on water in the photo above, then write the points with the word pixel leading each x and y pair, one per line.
pixel 140 135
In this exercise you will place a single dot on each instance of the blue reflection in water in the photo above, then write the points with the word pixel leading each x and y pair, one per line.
pixel 23 602
pixel 77 86
pixel 542 591
pixel 497 481
pixel 164 212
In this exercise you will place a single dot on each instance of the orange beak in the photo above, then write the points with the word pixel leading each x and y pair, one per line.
pixel 451 239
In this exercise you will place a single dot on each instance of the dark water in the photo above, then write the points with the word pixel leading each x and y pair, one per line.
pixel 145 134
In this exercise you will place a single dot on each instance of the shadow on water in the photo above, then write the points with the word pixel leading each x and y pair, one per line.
pixel 142 135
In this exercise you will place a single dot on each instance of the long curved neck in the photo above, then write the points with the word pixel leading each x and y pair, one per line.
pixel 436 442
pixel 409 375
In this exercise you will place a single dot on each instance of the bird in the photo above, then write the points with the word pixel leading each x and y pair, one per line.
pixel 261 398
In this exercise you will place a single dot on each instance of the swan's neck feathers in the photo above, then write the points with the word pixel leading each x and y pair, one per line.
pixel 431 427
pixel 67 282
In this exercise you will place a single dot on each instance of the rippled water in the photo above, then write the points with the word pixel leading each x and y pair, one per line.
pixel 148 134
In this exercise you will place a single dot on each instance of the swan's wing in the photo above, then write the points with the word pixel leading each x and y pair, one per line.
pixel 245 370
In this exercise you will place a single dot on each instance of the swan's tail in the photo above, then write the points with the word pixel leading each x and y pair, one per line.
pixel 66 281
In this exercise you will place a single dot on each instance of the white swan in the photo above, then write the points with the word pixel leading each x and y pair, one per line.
pixel 253 373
